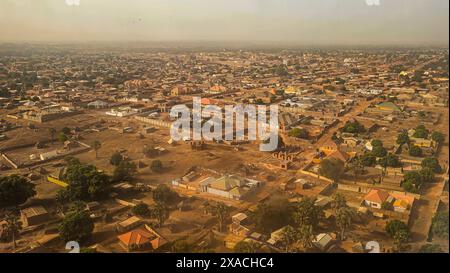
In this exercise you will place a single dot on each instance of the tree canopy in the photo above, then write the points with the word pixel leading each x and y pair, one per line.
pixel 15 190
pixel 76 226
pixel 353 127
pixel 332 169
pixel 86 182
pixel 432 163
pixel 164 195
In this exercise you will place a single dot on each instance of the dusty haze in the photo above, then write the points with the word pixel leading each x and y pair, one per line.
pixel 309 22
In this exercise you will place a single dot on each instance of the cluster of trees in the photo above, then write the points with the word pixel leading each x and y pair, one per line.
pixel 421 132
pixel 15 190
pixel 163 197
pixel 248 246
pixel 332 168
pixel 412 181
pixel 415 151
pixel 77 225
pixel 158 212
pixel 85 182
pixel 353 127
pixel 300 221
pixel 440 225
pixel 299 133
pixel 11 229
pixel 220 210
pixel 398 231
pixel 385 160
pixel 61 136
pixel 125 170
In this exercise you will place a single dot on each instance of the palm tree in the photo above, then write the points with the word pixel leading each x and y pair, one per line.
pixel 306 236
pixel 13 226
pixel 52 134
pixel 96 145
pixel 288 237
pixel 344 220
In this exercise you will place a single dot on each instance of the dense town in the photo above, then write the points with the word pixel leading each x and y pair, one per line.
pixel 86 154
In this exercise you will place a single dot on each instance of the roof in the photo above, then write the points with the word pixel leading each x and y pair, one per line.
pixel 237 191
pixel 404 198
pixel 137 237
pixel 389 105
pixel 239 217
pixel 401 204
pixel 130 221
pixel 323 240
pixel 377 196
pixel 226 183
pixel 33 211
pixel 142 237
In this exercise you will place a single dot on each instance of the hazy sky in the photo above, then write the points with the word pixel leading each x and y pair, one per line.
pixel 309 22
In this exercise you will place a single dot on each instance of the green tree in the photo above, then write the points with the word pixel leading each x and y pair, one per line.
pixel 421 132
pixel 332 168
pixel 221 211
pixel 62 137
pixel 15 190
pixel 338 202
pixel 356 166
pixel 272 214
pixel 249 246
pixel 386 205
pixel 379 151
pixel 412 179
pixel 400 239
pixel 403 138
pixel 164 195
pixel 305 236
pixel 124 171
pixel 394 226
pixel 86 182
pixel 368 160
pixel 344 220
pixel 141 209
pixel 432 163
pixel 415 151
pixel 96 145
pixel 427 175
pixel 307 213
pixel 390 160
pixel 353 127
pixel 288 237
pixel 76 226
pixel 377 143
pixel 116 159
pixel 12 227
pixel 430 248
pixel 438 137
pixel 299 133
pixel 161 213
pixel 440 224
pixel 156 166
